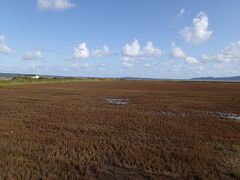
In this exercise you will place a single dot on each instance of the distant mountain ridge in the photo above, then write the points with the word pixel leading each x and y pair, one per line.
pixel 9 74
pixel 234 78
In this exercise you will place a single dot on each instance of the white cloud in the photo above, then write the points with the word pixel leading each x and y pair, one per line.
pixel 181 13
pixel 230 53
pixel 81 52
pixel 133 52
pixel 3 47
pixel 150 50
pixel 105 51
pixel 199 32
pixel 177 52
pixel 132 49
pixel 34 55
pixel 127 64
pixel 128 61
pixel 55 4
pixel 191 60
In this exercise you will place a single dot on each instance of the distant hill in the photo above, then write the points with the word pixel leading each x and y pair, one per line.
pixel 137 78
pixel 12 75
pixel 235 78
pixel 8 75
pixel 149 79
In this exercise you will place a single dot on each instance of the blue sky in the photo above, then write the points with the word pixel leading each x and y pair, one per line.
pixel 157 38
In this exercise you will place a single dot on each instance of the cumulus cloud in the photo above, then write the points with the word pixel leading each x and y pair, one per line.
pixel 198 32
pixel 3 47
pixel 178 53
pixel 134 50
pixel 181 13
pixel 34 55
pixel 55 4
pixel 150 50
pixel 230 53
pixel 103 52
pixel 81 52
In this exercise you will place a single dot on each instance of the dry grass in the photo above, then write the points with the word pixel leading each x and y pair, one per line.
pixel 68 131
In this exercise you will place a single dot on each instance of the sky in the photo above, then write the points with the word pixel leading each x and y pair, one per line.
pixel 123 38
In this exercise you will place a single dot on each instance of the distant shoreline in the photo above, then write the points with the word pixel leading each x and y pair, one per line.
pixel 236 79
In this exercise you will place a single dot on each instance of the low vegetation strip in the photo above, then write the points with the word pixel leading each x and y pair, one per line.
pixel 22 81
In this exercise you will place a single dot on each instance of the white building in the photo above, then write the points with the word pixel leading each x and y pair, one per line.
pixel 28 76
pixel 35 77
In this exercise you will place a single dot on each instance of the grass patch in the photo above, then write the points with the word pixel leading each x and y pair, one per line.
pixel 22 81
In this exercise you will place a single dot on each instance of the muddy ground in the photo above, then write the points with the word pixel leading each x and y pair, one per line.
pixel 166 130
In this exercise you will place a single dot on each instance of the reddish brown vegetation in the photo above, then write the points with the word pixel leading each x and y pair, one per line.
pixel 69 131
